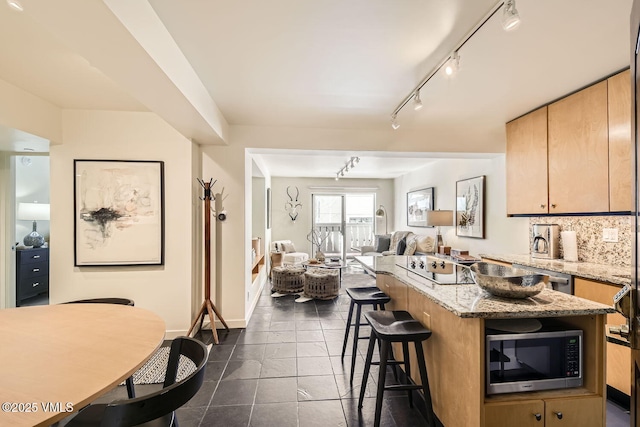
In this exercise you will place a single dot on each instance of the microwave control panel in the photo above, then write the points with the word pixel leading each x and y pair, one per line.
pixel 572 356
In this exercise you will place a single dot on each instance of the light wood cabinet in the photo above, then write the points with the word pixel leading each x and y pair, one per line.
pixel 527 164
pixel 574 155
pixel 620 148
pixel 618 356
pixel 566 412
pixel 579 152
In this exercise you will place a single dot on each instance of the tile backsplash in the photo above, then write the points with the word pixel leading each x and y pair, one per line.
pixel 588 230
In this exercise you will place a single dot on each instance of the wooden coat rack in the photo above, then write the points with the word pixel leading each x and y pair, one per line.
pixel 208 307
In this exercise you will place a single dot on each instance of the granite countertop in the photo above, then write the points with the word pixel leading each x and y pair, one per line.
pixel 471 301
pixel 587 270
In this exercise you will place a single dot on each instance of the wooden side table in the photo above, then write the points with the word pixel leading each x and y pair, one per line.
pixel 276 260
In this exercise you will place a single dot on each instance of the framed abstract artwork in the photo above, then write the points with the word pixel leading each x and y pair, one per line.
pixel 470 207
pixel 418 203
pixel 118 212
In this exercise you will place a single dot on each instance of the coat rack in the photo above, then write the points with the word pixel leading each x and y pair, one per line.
pixel 208 307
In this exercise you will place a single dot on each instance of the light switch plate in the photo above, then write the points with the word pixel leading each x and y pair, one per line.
pixel 610 235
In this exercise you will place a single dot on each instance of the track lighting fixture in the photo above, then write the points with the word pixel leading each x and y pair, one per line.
pixel 349 165
pixel 452 64
pixel 510 20
pixel 510 16
pixel 417 102
pixel 15 5
pixel 394 122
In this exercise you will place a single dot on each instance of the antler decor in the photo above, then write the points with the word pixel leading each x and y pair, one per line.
pixel 292 205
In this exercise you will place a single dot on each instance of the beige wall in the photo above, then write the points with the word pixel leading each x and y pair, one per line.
pixel 165 290
pixel 502 234
pixel 285 229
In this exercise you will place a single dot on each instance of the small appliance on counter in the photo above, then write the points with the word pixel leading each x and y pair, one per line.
pixel 546 241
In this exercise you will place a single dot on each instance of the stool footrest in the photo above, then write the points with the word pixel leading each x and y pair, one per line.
pixel 398 387
pixel 390 362
pixel 361 324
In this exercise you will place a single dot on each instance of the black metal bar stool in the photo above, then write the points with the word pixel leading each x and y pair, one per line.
pixel 361 296
pixel 389 327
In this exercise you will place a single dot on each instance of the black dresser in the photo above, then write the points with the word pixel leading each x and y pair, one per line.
pixel 32 273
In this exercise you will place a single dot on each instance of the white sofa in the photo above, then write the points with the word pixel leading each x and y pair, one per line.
pixel 288 258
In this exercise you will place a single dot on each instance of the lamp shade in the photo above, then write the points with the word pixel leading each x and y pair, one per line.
pixel 33 211
pixel 439 218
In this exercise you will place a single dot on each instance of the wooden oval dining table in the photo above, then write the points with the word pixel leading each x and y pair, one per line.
pixel 57 359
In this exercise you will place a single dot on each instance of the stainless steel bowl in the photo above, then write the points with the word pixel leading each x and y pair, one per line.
pixel 508 282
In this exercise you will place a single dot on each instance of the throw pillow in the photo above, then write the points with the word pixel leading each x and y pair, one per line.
pixel 288 247
pixel 402 246
pixel 411 247
pixel 425 244
pixel 382 243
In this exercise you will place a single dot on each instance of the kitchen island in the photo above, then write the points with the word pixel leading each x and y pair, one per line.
pixel 456 315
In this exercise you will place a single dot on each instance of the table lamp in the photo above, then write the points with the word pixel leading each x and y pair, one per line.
pixel 439 219
pixel 33 212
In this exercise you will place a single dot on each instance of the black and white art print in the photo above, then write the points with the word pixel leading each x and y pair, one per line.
pixel 418 203
pixel 119 212
pixel 470 207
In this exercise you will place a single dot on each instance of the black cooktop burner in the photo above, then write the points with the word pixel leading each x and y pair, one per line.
pixel 428 267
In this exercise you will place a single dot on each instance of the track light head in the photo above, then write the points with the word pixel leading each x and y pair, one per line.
pixel 417 102
pixel 394 122
pixel 510 16
pixel 452 65
pixel 15 5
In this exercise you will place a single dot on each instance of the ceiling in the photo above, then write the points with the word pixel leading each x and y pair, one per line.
pixel 204 65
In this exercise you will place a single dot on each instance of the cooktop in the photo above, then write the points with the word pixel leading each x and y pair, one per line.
pixel 438 270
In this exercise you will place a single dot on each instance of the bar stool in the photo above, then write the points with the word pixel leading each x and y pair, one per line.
pixel 361 296
pixel 390 327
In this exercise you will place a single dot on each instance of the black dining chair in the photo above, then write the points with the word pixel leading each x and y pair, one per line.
pixel 131 392
pixel 157 409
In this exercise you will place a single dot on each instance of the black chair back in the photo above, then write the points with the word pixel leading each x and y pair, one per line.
pixel 131 412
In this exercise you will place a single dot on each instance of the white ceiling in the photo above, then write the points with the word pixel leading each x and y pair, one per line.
pixel 310 64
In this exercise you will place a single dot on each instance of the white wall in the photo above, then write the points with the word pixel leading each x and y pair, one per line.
pixel 165 290
pixel 286 229
pixel 502 234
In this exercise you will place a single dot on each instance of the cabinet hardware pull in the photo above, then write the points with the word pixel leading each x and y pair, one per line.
pixel 35 270
pixel 35 284
pixel 542 205
pixel 538 417
pixel 559 415
pixel 36 256
pixel 553 205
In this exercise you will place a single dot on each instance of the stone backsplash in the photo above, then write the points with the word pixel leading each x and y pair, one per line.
pixel 588 230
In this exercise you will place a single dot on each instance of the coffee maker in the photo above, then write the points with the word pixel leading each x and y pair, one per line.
pixel 546 240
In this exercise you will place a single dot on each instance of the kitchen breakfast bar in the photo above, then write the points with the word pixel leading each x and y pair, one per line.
pixel 461 316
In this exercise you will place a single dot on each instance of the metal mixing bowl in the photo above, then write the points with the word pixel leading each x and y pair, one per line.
pixel 508 282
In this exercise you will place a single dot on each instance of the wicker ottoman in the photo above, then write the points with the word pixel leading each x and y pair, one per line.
pixel 287 279
pixel 321 283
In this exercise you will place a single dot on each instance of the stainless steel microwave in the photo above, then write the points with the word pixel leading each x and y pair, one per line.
pixel 517 362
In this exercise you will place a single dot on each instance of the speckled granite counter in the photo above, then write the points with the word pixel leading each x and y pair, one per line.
pixel 471 301
pixel 588 270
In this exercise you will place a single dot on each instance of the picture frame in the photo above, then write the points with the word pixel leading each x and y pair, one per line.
pixel 470 207
pixel 118 212
pixel 418 202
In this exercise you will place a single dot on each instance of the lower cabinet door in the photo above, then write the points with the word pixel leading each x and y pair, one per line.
pixel 581 411
pixel 523 413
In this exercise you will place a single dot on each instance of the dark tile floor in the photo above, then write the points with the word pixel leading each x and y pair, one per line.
pixel 285 369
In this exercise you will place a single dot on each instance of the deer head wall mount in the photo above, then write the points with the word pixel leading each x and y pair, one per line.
pixel 293 205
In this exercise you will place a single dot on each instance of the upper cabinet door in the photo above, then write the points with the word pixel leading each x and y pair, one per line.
pixel 620 192
pixel 579 152
pixel 527 164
